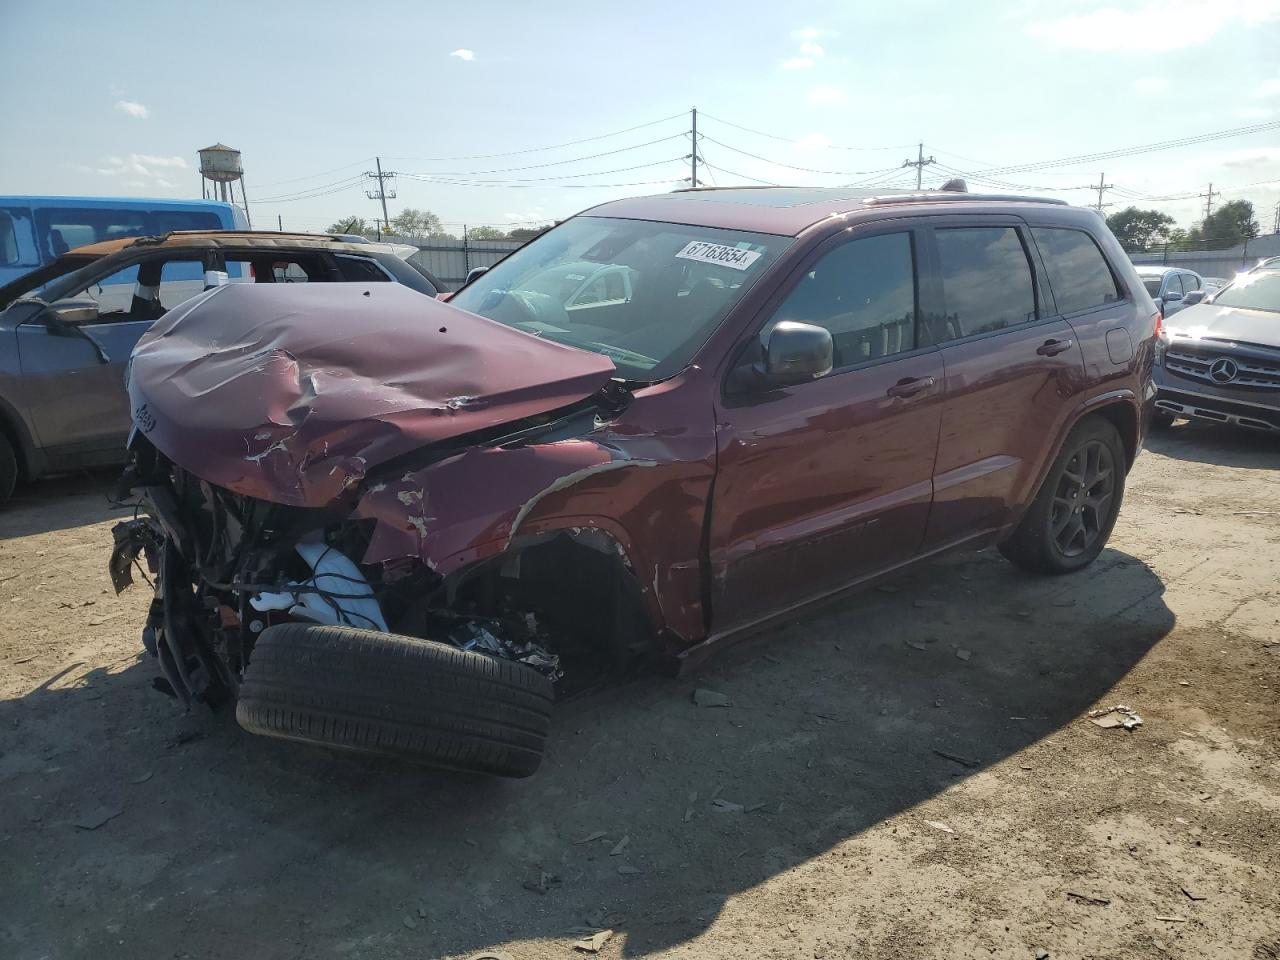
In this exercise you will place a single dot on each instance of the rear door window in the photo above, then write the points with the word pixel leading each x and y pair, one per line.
pixel 360 269
pixel 16 248
pixel 986 281
pixel 1078 272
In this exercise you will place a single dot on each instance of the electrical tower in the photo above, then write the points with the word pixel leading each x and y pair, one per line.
pixel 1208 200
pixel 1276 228
pixel 1102 187
pixel 920 162
pixel 382 193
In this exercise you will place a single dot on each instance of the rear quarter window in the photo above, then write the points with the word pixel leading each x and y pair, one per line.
pixel 1078 272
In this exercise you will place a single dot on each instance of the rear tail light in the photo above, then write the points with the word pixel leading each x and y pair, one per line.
pixel 1159 324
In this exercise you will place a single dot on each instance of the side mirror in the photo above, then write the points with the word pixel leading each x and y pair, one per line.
pixel 66 316
pixel 1192 298
pixel 475 272
pixel 1173 296
pixel 797 353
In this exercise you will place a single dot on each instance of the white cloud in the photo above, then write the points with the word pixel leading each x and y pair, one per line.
pixel 796 63
pixel 141 165
pixel 811 49
pixel 133 109
pixel 824 94
pixel 1251 158
pixel 1270 88
pixel 1150 86
pixel 807 33
pixel 462 53
pixel 1152 27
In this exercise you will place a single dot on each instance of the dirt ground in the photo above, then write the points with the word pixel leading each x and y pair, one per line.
pixel 909 774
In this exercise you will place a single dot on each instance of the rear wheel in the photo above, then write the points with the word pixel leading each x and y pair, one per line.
pixel 1068 523
pixel 396 696
pixel 8 468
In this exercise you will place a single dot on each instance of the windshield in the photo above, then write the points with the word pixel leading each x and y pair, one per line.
pixel 646 295
pixel 1152 284
pixel 1253 291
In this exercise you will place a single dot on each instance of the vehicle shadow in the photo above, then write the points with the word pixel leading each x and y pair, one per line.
pixel 61 502
pixel 839 720
pixel 1213 443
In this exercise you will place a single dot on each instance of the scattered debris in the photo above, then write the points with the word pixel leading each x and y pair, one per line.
pixel 939 825
pixel 627 870
pixel 593 943
pixel 1117 716
pixel 97 817
pixel 620 846
pixel 772 659
pixel 1184 683
pixel 824 716
pixel 721 805
pixel 1086 898
pixel 410 923
pixel 191 736
pixel 1159 945
pixel 963 761
pixel 591 837
pixel 142 777
pixel 916 645
pixel 1172 919
pixel 542 883
pixel 709 698
pixel 963 654
pixel 491 955
pixel 754 807
pixel 1192 895
pixel 1023 614
pixel 1042 954
pixel 25 659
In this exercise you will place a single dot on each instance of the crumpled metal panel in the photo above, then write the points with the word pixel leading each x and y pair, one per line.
pixel 291 393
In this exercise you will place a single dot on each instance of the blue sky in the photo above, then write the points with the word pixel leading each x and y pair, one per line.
pixel 116 98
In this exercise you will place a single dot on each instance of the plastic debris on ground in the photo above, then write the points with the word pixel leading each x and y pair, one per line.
pixel 709 698
pixel 1117 716
pixel 593 943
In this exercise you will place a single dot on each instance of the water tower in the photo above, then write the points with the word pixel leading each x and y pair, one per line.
pixel 220 170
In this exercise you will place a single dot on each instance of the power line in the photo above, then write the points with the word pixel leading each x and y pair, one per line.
pixel 792 140
pixel 551 163
pixel 792 166
pixel 555 146
pixel 436 178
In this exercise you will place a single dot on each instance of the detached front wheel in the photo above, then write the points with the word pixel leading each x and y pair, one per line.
pixel 1072 516
pixel 396 696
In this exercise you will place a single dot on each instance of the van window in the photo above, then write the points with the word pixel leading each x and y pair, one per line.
pixel 8 241
pixel 986 281
pixel 59 230
pixel 864 292
pixel 1078 272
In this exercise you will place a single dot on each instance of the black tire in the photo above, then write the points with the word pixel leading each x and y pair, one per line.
pixel 8 469
pixel 1068 523
pixel 1162 419
pixel 396 696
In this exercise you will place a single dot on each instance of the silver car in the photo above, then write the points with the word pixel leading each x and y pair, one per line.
pixel 1220 359
pixel 1168 286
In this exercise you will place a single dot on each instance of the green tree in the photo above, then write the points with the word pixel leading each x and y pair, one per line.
pixel 527 233
pixel 1139 229
pixel 419 225
pixel 356 225
pixel 485 233
pixel 1229 226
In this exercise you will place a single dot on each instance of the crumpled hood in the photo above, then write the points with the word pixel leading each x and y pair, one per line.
pixel 291 392
pixel 1209 321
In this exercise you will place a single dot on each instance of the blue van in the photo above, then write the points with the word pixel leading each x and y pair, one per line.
pixel 36 230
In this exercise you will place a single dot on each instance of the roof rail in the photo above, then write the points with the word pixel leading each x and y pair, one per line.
pixel 937 196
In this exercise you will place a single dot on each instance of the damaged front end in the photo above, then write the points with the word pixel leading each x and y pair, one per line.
pixel 401 491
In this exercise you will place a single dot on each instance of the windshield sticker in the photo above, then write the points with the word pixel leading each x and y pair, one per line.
pixel 719 254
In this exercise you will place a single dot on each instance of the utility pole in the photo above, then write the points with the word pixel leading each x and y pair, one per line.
pixel 1276 228
pixel 280 223
pixel 693 157
pixel 381 193
pixel 1208 200
pixel 920 162
pixel 1101 188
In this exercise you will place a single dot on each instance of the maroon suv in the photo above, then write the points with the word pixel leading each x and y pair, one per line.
pixel 386 523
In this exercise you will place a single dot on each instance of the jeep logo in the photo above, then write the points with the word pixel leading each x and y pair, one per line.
pixel 145 420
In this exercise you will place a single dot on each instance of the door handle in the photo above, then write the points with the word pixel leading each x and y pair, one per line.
pixel 910 386
pixel 1051 348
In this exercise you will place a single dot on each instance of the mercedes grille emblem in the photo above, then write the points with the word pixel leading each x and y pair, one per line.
pixel 1223 370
